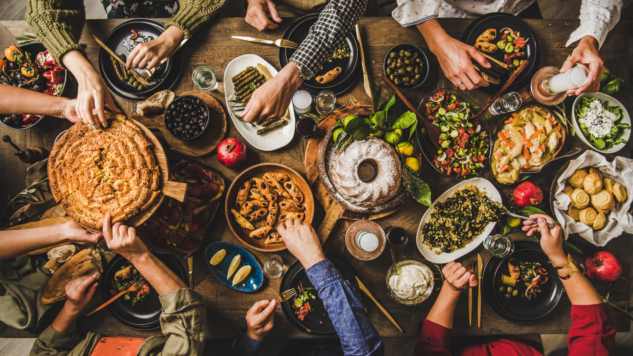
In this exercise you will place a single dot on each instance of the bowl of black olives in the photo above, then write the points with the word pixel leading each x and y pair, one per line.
pixel 187 118
pixel 406 66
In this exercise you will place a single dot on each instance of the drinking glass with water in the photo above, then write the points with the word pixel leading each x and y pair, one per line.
pixel 509 102
pixel 204 79
pixel 499 245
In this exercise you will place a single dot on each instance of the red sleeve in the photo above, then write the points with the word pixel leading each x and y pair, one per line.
pixel 434 340
pixel 592 331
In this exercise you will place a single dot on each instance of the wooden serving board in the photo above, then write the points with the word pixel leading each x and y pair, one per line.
pixel 333 209
pixel 204 144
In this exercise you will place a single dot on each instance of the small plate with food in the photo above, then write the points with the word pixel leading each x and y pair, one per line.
pixel 601 121
pixel 242 77
pixel 234 267
pixel 524 286
pixel 139 310
pixel 261 198
pixel 459 220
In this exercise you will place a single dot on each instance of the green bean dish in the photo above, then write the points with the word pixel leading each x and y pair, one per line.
pixel 455 222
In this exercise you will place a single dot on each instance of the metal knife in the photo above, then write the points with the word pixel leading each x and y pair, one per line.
pixel 133 72
pixel 30 212
pixel 362 60
pixel 480 267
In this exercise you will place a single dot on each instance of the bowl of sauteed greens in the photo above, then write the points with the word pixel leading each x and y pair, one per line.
pixel 601 122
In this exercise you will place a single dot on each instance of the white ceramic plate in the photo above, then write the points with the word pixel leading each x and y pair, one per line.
pixel 484 186
pixel 612 102
pixel 272 140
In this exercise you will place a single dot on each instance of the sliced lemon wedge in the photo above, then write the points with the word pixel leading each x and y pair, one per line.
pixel 218 257
pixel 236 262
pixel 241 274
pixel 264 71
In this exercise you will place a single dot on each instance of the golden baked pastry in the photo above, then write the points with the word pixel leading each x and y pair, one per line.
pixel 603 200
pixel 567 190
pixel 273 238
pixel 608 184
pixel 600 222
pixel 577 178
pixel 279 177
pixel 111 170
pixel 261 232
pixel 588 216
pixel 291 216
pixel 294 192
pixel 573 212
pixel 592 183
pixel 242 194
pixel 273 211
pixel 596 171
pixel 619 191
pixel 241 220
pixel 580 198
pixel 257 215
pixel 487 35
pixel 289 205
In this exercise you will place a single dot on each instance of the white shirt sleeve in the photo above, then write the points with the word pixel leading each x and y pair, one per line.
pixel 597 18
pixel 415 12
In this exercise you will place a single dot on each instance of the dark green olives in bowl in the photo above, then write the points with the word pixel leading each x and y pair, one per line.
pixel 406 66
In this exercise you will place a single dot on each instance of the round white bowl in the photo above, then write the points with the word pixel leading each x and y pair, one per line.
pixel 625 119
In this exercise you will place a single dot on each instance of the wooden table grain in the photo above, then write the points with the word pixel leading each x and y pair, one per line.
pixel 212 46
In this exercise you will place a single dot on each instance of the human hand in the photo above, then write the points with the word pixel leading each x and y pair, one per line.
pixel 260 319
pixel 69 111
pixel 586 53
pixel 79 291
pixel 302 241
pixel 271 100
pixel 551 239
pixel 73 232
pixel 149 54
pixel 123 240
pixel 458 278
pixel 257 14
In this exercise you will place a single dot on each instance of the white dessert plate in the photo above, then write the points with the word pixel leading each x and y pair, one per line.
pixel 269 141
pixel 484 186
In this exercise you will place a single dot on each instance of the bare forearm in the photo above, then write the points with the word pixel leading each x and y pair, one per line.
pixel 22 101
pixel 159 276
pixel 76 63
pixel 18 242
pixel 444 308
pixel 578 287
pixel 433 33
pixel 66 320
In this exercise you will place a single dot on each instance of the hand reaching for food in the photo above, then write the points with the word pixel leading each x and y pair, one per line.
pixel 551 239
pixel 586 53
pixel 257 14
pixel 271 100
pixel 260 319
pixel 302 241
pixel 79 291
pixel 77 234
pixel 458 278
pixel 149 54
pixel 123 240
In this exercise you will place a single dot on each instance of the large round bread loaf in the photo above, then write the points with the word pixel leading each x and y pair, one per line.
pixel 84 263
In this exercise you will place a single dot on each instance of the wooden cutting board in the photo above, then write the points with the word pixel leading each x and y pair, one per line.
pixel 334 211
pixel 201 146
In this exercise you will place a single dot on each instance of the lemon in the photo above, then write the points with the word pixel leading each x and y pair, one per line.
pixel 218 257
pixel 406 149
pixel 264 71
pixel 241 274
pixel 413 163
pixel 336 133
pixel 236 262
pixel 512 221
pixel 349 118
pixel 394 137
pixel 377 133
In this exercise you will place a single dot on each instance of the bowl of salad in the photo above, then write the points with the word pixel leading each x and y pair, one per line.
pixel 601 122
pixel 464 148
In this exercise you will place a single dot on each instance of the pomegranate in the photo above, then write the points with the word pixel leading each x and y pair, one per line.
pixel 527 194
pixel 232 152
pixel 603 267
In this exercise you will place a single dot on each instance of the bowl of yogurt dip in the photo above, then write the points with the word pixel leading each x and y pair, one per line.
pixel 412 284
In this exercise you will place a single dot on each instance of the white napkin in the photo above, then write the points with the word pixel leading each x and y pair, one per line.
pixel 621 171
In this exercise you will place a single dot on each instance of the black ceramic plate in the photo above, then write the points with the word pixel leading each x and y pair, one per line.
pixel 297 32
pixel 520 309
pixel 145 314
pixel 118 40
pixel 498 21
pixel 318 321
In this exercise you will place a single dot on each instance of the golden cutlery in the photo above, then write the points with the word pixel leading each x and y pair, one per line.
pixel 131 71
pixel 136 286
pixel 147 73
pixel 286 295
pixel 364 289
pixel 362 61
pixel 470 266
pixel 279 43
pixel 190 262
pixel 480 267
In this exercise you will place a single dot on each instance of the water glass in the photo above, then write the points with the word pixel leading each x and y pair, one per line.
pixel 302 101
pixel 508 102
pixel 499 245
pixel 204 79
pixel 325 102
pixel 274 268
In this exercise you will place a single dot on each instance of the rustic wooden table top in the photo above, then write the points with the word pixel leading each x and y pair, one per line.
pixel 212 46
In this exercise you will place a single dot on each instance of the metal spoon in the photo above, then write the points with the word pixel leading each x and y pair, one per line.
pixel 550 224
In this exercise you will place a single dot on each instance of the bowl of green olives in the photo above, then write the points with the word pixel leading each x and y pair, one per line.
pixel 406 66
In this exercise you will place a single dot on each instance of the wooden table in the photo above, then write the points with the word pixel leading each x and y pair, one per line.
pixel 226 308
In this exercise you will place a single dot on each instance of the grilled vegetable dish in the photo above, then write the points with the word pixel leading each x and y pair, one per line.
pixel 301 304
pixel 124 279
pixel 525 280
pixel 600 123
pixel 459 219
pixel 405 68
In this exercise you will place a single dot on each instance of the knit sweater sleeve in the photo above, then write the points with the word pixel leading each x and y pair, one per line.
pixel 57 24
pixel 193 14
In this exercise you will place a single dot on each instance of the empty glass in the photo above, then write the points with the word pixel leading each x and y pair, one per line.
pixel 204 79
pixel 325 102
pixel 499 245
pixel 274 268
pixel 508 102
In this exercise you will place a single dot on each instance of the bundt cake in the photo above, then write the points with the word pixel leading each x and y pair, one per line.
pixel 367 173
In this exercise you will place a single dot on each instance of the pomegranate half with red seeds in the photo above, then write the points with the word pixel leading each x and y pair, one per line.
pixel 603 267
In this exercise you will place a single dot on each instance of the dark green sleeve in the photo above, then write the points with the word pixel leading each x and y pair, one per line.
pixel 52 342
pixel 57 24
pixel 192 14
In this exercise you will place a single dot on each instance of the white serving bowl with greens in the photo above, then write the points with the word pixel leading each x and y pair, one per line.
pixel 594 123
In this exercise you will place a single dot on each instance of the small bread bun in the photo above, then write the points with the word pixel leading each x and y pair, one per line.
pixel 608 185
pixel 588 216
pixel 600 222
pixel 596 171
pixel 602 201
pixel 567 190
pixel 619 191
pixel 592 183
pixel 579 198
pixel 573 212
pixel 577 178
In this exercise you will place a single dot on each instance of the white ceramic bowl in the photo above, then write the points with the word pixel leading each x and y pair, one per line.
pixel 625 119
pixel 415 300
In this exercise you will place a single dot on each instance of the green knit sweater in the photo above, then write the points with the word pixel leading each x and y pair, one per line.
pixel 58 23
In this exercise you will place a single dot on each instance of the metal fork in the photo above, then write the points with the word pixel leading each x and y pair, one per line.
pixel 279 43
pixel 147 73
pixel 286 295
pixel 469 264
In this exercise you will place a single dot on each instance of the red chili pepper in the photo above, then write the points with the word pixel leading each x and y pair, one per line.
pixel 134 35
pixel 505 35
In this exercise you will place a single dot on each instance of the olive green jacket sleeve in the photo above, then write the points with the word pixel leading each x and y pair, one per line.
pixel 52 342
pixel 193 14
pixel 57 24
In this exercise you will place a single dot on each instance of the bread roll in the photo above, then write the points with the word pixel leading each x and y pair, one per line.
pixel 577 178
pixel 602 201
pixel 588 216
pixel 608 184
pixel 619 191
pixel 592 183
pixel 580 198
pixel 567 190
pixel 155 103
pixel 596 171
pixel 84 263
pixel 61 254
pixel 600 222
pixel 573 212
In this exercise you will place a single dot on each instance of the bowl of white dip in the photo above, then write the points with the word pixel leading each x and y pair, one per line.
pixel 412 284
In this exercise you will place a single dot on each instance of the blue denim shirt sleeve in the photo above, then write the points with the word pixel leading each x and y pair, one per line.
pixel 345 308
pixel 245 346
